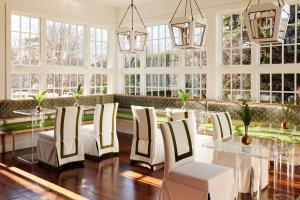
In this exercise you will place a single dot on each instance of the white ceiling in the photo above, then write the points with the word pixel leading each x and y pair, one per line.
pixel 121 3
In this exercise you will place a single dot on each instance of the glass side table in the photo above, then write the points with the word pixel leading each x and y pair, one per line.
pixel 37 122
pixel 271 150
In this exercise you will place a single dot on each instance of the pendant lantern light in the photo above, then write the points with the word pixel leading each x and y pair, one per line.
pixel 188 32
pixel 131 40
pixel 267 23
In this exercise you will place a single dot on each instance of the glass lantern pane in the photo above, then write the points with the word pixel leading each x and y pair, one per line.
pixel 124 41
pixel 199 34
pixel 262 23
pixel 139 41
pixel 181 34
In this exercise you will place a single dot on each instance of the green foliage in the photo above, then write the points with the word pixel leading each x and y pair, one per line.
pixel 40 97
pixel 246 114
pixel 78 93
pixel 287 112
pixel 184 96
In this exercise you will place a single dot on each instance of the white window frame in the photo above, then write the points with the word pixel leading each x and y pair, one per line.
pixel 44 68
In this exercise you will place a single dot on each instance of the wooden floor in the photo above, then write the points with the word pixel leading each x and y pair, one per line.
pixel 111 178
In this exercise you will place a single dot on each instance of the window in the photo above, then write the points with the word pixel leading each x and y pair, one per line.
pixel 25 40
pixel 98 84
pixel 196 84
pixel 236 86
pixel 132 84
pixel 279 88
pixel 98 47
pixel 24 85
pixel 159 51
pixel 65 44
pixel 196 58
pixel 289 51
pixel 63 84
pixel 236 45
pixel 132 61
pixel 164 85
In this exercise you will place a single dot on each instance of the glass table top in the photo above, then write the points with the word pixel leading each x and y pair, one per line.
pixel 31 112
pixel 260 148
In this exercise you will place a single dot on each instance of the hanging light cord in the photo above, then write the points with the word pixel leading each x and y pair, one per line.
pixel 259 2
pixel 186 5
pixel 132 6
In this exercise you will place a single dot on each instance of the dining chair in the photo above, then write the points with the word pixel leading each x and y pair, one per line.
pixel 249 178
pixel 184 178
pixel 202 154
pixel 147 145
pixel 62 145
pixel 100 138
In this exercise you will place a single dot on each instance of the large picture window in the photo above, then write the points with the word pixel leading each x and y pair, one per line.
pixel 98 47
pixel 236 87
pixel 63 84
pixel 65 44
pixel 289 51
pixel 159 52
pixel 98 84
pixel 132 84
pixel 24 85
pixel 279 88
pixel 195 58
pixel 236 45
pixel 196 84
pixel 164 85
pixel 131 61
pixel 25 40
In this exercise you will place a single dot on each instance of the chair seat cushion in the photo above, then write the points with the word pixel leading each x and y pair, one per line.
pixel 88 129
pixel 47 135
pixel 203 176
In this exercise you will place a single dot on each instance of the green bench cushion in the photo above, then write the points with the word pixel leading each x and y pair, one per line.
pixel 258 130
pixel 50 122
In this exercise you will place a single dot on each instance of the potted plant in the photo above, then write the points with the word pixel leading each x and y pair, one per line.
pixel 39 98
pixel 246 116
pixel 184 96
pixel 286 114
pixel 77 95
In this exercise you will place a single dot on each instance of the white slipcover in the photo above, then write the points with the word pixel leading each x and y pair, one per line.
pixel 101 138
pixel 201 154
pixel 249 166
pixel 184 178
pixel 63 144
pixel 147 144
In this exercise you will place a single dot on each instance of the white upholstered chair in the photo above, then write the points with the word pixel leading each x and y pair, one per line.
pixel 147 145
pixel 184 178
pixel 248 177
pixel 202 154
pixel 101 138
pixel 63 144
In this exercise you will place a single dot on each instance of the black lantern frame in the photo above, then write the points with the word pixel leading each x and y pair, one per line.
pixel 188 32
pixel 132 40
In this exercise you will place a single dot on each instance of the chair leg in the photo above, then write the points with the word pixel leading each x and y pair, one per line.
pixel 3 143
pixel 14 145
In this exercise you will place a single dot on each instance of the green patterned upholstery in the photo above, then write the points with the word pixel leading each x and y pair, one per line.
pixel 262 112
pixel 8 106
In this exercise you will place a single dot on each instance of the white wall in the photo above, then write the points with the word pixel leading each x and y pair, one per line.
pixel 2 50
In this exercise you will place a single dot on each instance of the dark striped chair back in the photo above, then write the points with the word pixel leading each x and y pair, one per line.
pixel 105 123
pixel 67 130
pixel 222 125
pixel 178 139
pixel 145 129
